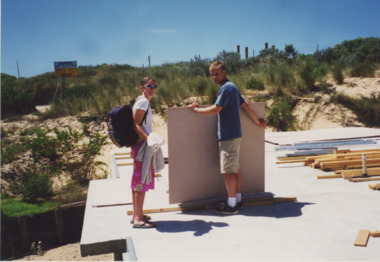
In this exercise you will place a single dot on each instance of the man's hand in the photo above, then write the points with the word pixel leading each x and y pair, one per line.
pixel 262 123
pixel 193 106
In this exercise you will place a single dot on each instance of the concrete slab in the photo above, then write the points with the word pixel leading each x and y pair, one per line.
pixel 321 226
pixel 111 192
pixel 105 229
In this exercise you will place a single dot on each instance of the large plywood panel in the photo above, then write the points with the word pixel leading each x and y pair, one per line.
pixel 194 172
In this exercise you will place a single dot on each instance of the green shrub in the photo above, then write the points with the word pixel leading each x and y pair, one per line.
pixel 9 153
pixel 367 109
pixel 363 70
pixel 212 94
pixel 201 85
pixel 72 192
pixel 44 146
pixel 309 72
pixel 36 186
pixel 14 99
pixel 280 115
pixel 337 73
pixel 255 84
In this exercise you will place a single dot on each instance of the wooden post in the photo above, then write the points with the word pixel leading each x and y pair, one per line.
pixel 23 234
pixel 59 225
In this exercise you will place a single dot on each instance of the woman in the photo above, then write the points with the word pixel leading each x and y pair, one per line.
pixel 143 128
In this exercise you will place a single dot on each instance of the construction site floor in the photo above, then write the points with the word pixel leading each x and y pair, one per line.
pixel 321 226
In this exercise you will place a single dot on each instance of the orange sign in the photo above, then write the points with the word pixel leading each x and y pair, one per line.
pixel 59 72
pixel 67 68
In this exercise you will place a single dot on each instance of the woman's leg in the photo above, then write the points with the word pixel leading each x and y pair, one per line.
pixel 138 215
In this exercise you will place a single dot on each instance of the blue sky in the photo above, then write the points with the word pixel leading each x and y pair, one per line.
pixel 38 32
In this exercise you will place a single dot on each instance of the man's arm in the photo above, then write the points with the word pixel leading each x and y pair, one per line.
pixel 209 110
pixel 252 114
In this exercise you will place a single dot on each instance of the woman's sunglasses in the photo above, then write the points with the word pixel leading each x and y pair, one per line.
pixel 151 86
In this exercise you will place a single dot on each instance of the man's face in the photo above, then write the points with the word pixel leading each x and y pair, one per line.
pixel 218 76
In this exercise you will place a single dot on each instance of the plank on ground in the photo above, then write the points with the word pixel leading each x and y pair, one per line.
pixel 208 206
pixel 358 172
pixel 375 186
pixel 365 179
pixel 335 165
pixel 362 238
pixel 374 233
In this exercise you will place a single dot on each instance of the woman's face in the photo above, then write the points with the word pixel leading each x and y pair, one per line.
pixel 149 89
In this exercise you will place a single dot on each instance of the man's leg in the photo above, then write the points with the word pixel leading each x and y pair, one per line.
pixel 239 200
pixel 230 179
pixel 238 182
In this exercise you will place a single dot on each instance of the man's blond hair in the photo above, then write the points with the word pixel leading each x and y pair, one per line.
pixel 217 65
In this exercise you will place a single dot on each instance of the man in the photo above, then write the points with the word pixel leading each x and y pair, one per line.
pixel 227 106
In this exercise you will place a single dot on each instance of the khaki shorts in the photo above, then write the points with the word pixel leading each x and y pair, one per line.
pixel 229 152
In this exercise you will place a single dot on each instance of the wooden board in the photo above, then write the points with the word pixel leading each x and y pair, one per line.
pixel 336 165
pixel 374 233
pixel 375 186
pixel 263 201
pixel 358 172
pixel 362 238
pixel 365 179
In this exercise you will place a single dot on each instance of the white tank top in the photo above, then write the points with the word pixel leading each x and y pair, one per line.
pixel 143 103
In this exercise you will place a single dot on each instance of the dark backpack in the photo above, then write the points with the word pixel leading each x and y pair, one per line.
pixel 121 125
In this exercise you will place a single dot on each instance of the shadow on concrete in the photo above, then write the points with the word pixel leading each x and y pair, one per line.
pixel 278 210
pixel 200 227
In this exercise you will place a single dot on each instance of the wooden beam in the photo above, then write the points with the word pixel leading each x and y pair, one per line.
pixel 122 153
pixel 291 161
pixel 329 176
pixel 364 179
pixel 360 166
pixel 375 186
pixel 122 157
pixel 284 199
pixel 357 158
pixel 248 203
pixel 358 172
pixel 374 233
pixel 362 238
pixel 335 165
pixel 124 164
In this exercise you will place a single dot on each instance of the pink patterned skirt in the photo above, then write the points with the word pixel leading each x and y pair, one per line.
pixel 136 184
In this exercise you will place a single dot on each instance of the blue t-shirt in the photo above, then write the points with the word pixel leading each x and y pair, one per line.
pixel 230 99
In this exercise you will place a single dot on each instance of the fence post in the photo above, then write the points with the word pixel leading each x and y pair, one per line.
pixel 23 234
pixel 59 224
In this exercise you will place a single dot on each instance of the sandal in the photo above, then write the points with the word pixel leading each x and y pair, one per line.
pixel 146 218
pixel 145 225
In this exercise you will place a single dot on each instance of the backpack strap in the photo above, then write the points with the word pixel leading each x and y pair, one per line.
pixel 144 118
pixel 146 113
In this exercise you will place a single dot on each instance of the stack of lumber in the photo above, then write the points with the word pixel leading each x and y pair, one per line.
pixel 345 163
